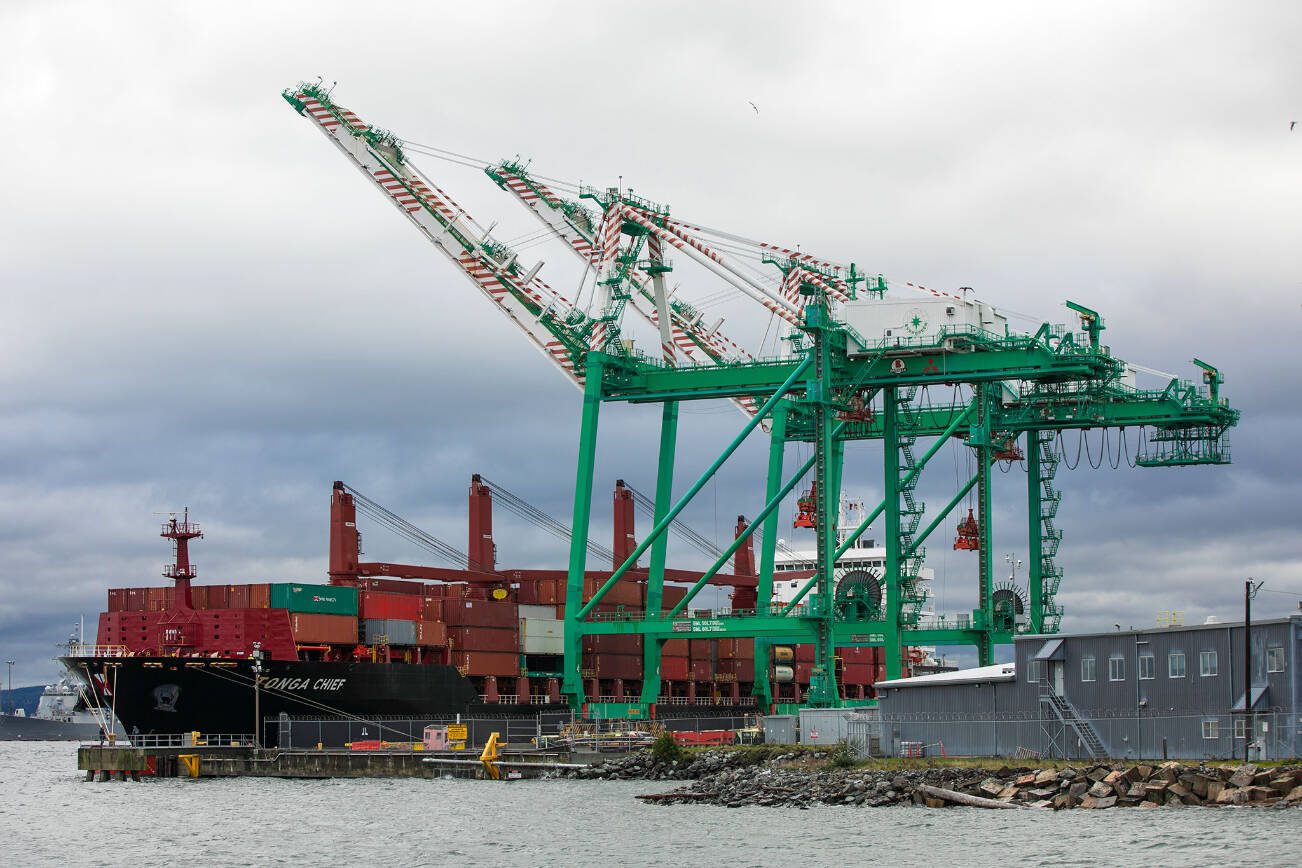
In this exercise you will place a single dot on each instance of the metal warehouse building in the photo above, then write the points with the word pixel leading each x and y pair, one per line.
pixel 1169 692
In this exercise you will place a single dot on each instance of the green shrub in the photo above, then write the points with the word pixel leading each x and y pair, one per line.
pixel 665 749
pixel 841 756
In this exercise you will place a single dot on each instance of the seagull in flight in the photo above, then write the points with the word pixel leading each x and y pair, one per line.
pixel 752 105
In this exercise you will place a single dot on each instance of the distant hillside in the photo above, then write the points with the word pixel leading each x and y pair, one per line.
pixel 21 697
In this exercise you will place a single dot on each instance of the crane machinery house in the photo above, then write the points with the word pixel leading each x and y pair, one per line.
pixel 890 322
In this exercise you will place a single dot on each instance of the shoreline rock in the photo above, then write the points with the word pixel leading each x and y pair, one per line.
pixel 799 778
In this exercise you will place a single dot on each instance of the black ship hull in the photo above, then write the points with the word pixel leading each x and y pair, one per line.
pixel 166 695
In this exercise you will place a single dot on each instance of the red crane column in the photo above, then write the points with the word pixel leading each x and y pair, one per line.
pixel 743 564
pixel 625 540
pixel 480 547
pixel 345 541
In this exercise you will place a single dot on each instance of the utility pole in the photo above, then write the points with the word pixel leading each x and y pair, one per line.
pixel 1250 721
pixel 9 694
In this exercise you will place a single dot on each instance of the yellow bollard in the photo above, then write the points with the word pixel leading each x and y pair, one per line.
pixel 489 757
pixel 191 763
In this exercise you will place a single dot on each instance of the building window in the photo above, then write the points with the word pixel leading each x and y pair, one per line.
pixel 1033 671
pixel 1116 669
pixel 1087 669
pixel 1207 663
pixel 1211 729
pixel 1275 658
pixel 1146 667
pixel 1240 727
pixel 1175 664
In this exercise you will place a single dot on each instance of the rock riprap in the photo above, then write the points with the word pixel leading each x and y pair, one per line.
pixel 734 778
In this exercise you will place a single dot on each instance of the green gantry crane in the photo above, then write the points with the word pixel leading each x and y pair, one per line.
pixel 860 353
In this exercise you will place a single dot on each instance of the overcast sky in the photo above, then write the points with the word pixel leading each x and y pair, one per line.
pixel 205 305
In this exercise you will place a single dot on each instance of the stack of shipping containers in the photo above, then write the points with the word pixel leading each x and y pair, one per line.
pixel 509 643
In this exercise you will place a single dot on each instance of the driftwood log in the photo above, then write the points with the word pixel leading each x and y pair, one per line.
pixel 962 798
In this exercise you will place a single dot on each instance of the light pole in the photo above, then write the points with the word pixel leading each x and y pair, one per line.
pixel 9 694
pixel 257 694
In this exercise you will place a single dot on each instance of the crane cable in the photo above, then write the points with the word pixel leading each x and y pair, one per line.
pixel 648 508
pixel 540 519
pixel 411 532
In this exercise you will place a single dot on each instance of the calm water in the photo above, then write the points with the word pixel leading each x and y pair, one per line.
pixel 49 815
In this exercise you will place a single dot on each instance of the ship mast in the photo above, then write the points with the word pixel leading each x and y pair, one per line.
pixel 181 570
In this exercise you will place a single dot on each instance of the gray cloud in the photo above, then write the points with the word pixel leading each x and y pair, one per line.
pixel 204 305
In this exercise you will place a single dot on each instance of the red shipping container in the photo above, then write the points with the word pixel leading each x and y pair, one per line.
pixel 481 663
pixel 392 586
pixel 431 634
pixel 613 644
pixel 626 593
pixel 117 600
pixel 857 673
pixel 219 596
pixel 672 595
pixel 309 628
pixel 483 639
pixel 481 613
pixel 626 666
pixel 803 672
pixel 701 670
pixel 431 608
pixel 675 648
pixel 804 653
pixel 260 596
pixel 388 606
pixel 673 668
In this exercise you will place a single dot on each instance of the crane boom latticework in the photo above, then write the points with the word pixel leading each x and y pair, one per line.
pixel 547 318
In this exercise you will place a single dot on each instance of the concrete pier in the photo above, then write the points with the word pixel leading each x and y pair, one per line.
pixel 114 762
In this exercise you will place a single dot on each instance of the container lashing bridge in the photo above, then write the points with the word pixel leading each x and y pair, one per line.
pixel 860 355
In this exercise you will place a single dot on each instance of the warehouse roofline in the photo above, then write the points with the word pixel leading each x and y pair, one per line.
pixel 977 675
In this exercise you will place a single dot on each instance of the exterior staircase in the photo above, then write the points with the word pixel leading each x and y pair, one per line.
pixel 1066 714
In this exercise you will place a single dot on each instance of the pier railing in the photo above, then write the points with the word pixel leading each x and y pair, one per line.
pixel 190 739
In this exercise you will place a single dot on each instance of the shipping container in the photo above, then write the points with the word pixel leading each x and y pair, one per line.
pixel 673 668
pixel 431 634
pixel 481 613
pixel 397 632
pixel 858 673
pixel 626 593
pixel 626 666
pixel 310 628
pixel 545 613
pixel 542 635
pixel 482 663
pixel 431 608
pixel 383 605
pixel 392 586
pixel 318 599
pixel 675 648
pixel 506 640
pixel 613 644
pixel 260 598
pixel 702 670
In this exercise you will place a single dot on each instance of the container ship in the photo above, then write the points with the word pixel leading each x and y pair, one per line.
pixel 398 640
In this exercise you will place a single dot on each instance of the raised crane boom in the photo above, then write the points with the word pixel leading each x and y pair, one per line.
pixel 547 318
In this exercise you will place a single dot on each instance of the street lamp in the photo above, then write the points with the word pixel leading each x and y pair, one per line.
pixel 257 694
pixel 9 694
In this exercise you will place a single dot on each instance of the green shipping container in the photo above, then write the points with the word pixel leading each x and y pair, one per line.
pixel 318 599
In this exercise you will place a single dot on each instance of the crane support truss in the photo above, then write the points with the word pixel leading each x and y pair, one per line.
pixel 1032 386
pixel 832 387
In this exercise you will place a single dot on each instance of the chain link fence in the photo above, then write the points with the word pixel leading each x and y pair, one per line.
pixel 1275 735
